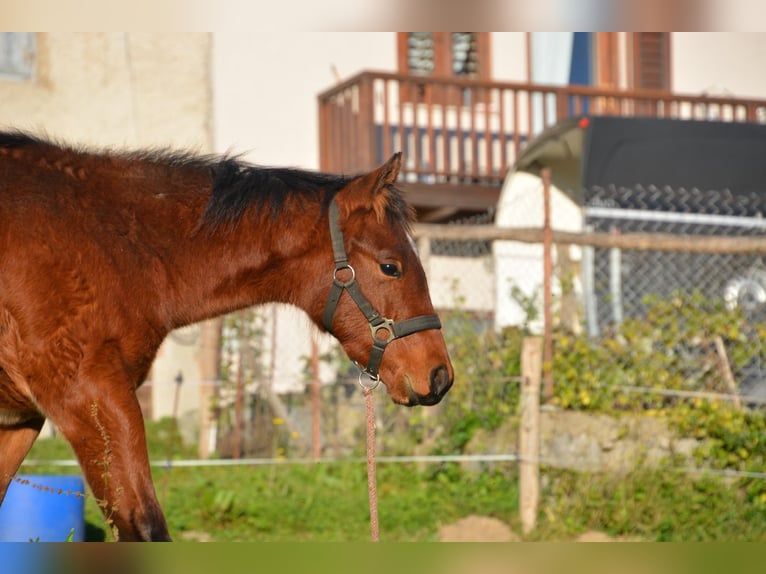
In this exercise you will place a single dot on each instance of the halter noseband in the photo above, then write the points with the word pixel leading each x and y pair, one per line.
pixel 383 330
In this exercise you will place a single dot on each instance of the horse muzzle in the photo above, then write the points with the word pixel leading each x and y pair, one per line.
pixel 440 380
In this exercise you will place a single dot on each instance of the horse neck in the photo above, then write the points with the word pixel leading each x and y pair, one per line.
pixel 261 259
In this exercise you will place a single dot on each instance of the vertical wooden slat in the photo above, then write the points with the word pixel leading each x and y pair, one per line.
pixel 516 127
pixel 446 163
pixel 365 122
pixel 402 136
pixel 502 133
pixel 416 142
pixel 387 147
pixel 352 146
pixel 563 100
pixel 490 170
pixel 474 140
pixel 345 144
pixel 459 134
pixel 530 113
pixel 431 166
pixel 752 113
pixel 323 128
pixel 332 129
pixel 338 153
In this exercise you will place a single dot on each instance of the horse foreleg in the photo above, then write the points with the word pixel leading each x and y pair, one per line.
pixel 106 431
pixel 15 442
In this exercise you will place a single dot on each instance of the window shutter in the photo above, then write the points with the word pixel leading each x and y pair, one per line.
pixel 451 54
pixel 442 54
pixel 421 54
pixel 651 57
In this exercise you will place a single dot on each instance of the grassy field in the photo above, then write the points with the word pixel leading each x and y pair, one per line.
pixel 328 501
pixel 310 502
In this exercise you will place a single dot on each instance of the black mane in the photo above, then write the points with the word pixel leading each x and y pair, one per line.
pixel 14 139
pixel 236 184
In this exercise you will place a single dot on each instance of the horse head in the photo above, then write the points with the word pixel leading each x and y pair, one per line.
pixel 378 305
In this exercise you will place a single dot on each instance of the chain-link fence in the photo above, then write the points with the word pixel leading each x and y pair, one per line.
pixel 622 279
pixel 623 283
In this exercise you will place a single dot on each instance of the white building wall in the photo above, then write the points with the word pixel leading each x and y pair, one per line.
pixel 520 265
pixel 719 63
pixel 266 88
pixel 115 89
pixel 509 56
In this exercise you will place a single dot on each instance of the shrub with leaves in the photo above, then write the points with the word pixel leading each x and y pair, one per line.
pixel 675 346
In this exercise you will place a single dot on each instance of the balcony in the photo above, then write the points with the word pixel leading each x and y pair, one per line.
pixel 459 137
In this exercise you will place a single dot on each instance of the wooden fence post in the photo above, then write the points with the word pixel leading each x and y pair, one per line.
pixel 529 435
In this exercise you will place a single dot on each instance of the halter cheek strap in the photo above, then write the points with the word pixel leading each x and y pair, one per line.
pixel 383 330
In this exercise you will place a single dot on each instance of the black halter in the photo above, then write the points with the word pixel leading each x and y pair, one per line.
pixel 383 330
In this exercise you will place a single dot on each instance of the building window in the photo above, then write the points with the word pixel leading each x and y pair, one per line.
pixel 18 55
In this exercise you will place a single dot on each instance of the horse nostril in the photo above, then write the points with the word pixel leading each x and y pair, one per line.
pixel 440 381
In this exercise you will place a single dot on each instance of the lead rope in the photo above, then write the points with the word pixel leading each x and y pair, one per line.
pixel 371 480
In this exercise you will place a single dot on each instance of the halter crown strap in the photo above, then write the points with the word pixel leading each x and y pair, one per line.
pixel 383 330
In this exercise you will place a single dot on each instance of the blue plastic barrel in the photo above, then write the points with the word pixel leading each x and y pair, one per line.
pixel 43 508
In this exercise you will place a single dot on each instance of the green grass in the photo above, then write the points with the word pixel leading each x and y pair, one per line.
pixel 320 502
pixel 329 501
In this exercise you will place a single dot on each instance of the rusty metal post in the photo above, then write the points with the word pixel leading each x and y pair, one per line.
pixel 545 173
pixel 240 389
pixel 316 405
pixel 210 370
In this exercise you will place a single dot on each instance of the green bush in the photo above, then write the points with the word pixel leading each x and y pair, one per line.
pixel 672 347
pixel 487 370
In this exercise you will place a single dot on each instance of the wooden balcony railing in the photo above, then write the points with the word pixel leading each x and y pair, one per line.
pixel 470 132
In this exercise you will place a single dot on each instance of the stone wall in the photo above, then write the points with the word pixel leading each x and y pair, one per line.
pixel 590 442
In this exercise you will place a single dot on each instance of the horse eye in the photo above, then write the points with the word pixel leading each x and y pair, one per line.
pixel 390 269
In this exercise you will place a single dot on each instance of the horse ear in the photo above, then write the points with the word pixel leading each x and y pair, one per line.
pixel 389 171
pixel 371 190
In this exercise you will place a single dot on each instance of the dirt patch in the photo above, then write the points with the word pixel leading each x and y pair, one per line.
pixel 194 536
pixel 477 529
pixel 596 536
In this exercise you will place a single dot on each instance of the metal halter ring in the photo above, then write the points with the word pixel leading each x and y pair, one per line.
pixel 373 381
pixel 344 283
